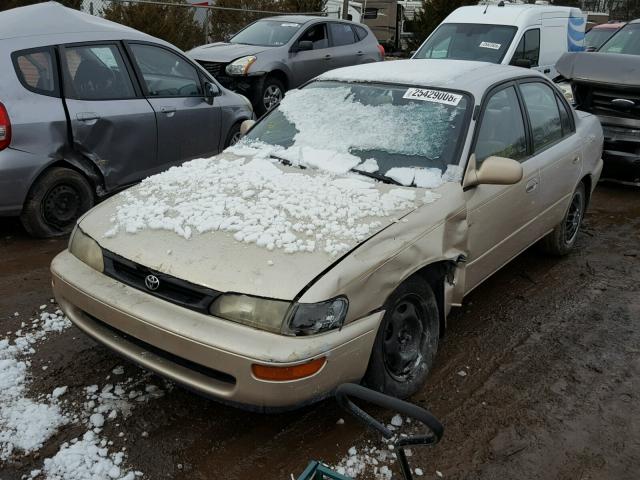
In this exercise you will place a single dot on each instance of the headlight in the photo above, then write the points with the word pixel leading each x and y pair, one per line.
pixel 86 249
pixel 253 311
pixel 310 318
pixel 240 66
pixel 567 90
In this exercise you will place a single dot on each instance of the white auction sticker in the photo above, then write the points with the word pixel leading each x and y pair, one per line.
pixel 491 45
pixel 436 96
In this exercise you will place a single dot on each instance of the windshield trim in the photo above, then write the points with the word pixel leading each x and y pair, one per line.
pixel 513 28
pixel 466 122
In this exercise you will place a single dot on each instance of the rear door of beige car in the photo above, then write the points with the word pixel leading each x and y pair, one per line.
pixel 557 146
pixel 500 216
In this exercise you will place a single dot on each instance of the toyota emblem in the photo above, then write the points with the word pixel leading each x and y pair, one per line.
pixel 152 282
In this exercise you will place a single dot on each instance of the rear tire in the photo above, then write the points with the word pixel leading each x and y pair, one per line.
pixel 407 340
pixel 563 237
pixel 55 202
pixel 233 136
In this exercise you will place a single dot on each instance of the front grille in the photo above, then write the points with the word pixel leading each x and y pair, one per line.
pixel 216 69
pixel 597 99
pixel 183 362
pixel 171 289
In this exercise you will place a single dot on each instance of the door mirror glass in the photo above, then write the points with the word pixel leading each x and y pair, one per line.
pixel 495 171
pixel 211 90
pixel 246 126
pixel 521 62
pixel 304 45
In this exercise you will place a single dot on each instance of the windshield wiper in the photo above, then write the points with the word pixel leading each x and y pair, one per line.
pixel 285 162
pixel 378 176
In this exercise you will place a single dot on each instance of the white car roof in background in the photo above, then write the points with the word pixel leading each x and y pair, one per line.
pixel 51 23
pixel 473 77
pixel 519 14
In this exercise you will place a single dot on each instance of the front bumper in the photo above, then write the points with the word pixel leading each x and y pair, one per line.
pixel 621 153
pixel 204 353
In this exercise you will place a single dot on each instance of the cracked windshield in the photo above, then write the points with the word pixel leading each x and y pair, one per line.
pixel 410 135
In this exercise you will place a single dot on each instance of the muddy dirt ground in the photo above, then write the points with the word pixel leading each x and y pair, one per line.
pixel 551 347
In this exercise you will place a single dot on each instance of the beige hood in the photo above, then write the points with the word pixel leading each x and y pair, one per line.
pixel 217 260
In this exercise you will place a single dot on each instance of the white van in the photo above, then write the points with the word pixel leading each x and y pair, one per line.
pixel 526 35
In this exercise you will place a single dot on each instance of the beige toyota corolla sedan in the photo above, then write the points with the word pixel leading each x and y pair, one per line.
pixel 331 242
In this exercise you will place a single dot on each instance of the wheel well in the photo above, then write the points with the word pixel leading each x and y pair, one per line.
pixel 435 275
pixel 90 172
pixel 280 75
pixel 588 183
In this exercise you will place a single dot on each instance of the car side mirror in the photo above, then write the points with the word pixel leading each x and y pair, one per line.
pixel 304 45
pixel 211 90
pixel 493 171
pixel 522 62
pixel 246 126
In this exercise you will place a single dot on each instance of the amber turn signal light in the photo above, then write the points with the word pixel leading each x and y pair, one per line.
pixel 293 372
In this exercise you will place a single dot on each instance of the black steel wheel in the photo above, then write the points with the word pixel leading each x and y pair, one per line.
pixel 56 200
pixel 407 340
pixel 563 237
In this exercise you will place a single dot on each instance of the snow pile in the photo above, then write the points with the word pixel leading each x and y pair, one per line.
pixel 115 400
pixel 375 462
pixel 260 203
pixel 425 177
pixel 25 423
pixel 86 459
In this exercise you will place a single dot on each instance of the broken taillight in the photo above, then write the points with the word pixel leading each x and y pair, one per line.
pixel 5 128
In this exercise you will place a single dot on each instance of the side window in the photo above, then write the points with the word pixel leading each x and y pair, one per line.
pixel 565 117
pixel 361 33
pixel 96 72
pixel 544 116
pixel 165 73
pixel 36 70
pixel 316 34
pixel 528 48
pixel 370 13
pixel 341 34
pixel 502 129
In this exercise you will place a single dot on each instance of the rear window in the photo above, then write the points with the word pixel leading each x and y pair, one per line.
pixel 361 33
pixel 36 70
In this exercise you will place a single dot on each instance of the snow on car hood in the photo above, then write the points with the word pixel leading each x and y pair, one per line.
pixel 247 223
pixel 224 52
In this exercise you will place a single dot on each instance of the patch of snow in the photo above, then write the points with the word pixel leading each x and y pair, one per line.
pixel 369 165
pixel 462 373
pixel 418 472
pixel 86 459
pixel 119 370
pixel 59 391
pixel 296 212
pixel 26 423
pixel 396 421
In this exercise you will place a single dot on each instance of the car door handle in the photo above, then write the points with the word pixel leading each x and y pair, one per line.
pixel 547 70
pixel 360 53
pixel 168 110
pixel 327 57
pixel 87 116
pixel 531 185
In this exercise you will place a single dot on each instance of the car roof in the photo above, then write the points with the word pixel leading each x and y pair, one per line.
pixel 609 26
pixel 52 23
pixel 473 77
pixel 508 14
pixel 303 18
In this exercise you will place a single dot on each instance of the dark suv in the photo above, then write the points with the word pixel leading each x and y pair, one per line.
pixel 274 54
pixel 607 83
pixel 88 107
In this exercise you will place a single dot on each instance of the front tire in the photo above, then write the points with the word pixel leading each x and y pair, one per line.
pixel 269 95
pixel 407 340
pixel 55 202
pixel 563 237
